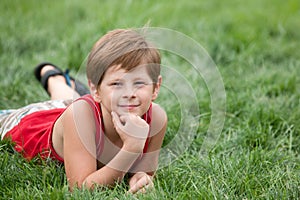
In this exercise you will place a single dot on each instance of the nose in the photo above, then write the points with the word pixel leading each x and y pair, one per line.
pixel 129 92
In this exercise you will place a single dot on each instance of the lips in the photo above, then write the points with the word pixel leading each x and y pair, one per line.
pixel 128 106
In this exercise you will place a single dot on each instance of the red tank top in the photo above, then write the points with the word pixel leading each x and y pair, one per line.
pixel 33 135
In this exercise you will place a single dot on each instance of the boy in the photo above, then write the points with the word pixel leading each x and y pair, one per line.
pixel 101 136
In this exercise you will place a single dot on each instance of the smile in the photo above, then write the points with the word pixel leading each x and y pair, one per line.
pixel 128 106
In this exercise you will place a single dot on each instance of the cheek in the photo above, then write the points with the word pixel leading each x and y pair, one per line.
pixel 146 96
pixel 112 99
pixel 115 95
pixel 147 93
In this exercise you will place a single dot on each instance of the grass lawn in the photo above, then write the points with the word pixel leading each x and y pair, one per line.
pixel 255 45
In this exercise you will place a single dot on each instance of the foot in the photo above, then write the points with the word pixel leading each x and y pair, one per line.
pixel 55 78
pixel 51 76
pixel 57 86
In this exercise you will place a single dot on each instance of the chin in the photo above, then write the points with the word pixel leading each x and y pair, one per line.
pixel 124 112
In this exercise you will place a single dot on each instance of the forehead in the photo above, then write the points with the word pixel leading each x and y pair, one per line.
pixel 116 72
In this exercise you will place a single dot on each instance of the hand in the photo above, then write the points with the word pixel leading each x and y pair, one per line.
pixel 132 129
pixel 140 182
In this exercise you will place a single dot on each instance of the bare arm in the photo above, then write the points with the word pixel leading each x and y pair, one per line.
pixel 144 170
pixel 80 151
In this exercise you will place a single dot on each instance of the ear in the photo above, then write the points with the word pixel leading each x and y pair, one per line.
pixel 156 88
pixel 94 91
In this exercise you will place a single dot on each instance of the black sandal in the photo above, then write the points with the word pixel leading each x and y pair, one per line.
pixel 80 88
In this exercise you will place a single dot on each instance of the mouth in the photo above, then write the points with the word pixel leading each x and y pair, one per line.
pixel 129 106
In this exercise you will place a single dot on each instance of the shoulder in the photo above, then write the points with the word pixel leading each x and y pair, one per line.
pixel 78 107
pixel 79 125
pixel 79 112
pixel 158 112
pixel 159 119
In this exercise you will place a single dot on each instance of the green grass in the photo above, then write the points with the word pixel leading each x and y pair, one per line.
pixel 255 45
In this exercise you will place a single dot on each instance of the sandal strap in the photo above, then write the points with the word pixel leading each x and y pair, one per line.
pixel 47 75
pixel 39 67
pixel 67 77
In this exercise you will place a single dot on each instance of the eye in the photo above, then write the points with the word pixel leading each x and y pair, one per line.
pixel 116 84
pixel 139 83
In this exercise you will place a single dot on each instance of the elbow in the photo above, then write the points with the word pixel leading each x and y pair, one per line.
pixel 78 184
pixel 83 183
pixel 91 184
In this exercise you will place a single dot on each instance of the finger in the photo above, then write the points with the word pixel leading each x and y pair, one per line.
pixel 135 178
pixel 116 119
pixel 132 182
pixel 143 190
pixel 137 130
pixel 133 189
pixel 129 120
pixel 141 183
pixel 124 119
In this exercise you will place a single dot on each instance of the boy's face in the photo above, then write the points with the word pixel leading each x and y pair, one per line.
pixel 127 91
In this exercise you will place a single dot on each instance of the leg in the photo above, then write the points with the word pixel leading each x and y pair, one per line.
pixel 57 86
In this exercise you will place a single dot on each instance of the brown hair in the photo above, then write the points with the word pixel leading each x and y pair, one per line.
pixel 124 47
